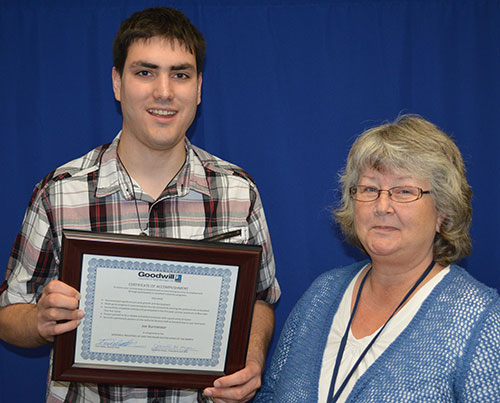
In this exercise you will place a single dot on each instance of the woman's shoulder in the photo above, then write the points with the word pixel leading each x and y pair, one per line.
pixel 469 288
pixel 312 315
pixel 344 273
pixel 333 282
pixel 462 297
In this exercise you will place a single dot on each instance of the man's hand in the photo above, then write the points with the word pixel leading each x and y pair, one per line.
pixel 243 385
pixel 238 387
pixel 29 325
pixel 58 310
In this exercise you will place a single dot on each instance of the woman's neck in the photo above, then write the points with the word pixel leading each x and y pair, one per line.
pixel 384 289
pixel 388 277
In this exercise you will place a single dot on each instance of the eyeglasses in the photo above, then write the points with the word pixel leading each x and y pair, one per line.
pixel 400 194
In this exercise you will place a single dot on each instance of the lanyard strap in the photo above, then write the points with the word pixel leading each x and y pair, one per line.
pixel 333 398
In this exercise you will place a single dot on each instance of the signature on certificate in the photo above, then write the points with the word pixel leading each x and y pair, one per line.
pixel 115 343
pixel 172 348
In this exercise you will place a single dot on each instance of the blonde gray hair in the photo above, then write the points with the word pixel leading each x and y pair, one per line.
pixel 417 146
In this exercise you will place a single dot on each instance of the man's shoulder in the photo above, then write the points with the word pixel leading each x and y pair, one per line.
pixel 91 160
pixel 219 166
pixel 78 167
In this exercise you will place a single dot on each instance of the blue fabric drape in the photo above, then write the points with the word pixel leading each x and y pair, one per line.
pixel 287 86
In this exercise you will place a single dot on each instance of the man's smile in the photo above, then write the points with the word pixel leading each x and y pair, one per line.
pixel 161 112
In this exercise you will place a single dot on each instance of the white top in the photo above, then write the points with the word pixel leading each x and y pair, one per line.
pixel 354 347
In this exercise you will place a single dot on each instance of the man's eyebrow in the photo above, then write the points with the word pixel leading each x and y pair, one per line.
pixel 182 66
pixel 149 65
pixel 141 63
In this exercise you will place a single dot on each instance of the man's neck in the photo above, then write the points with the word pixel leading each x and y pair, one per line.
pixel 152 169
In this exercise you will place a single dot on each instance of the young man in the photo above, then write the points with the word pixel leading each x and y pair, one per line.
pixel 150 180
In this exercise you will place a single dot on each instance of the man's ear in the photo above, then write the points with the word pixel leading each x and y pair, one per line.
pixel 200 79
pixel 117 83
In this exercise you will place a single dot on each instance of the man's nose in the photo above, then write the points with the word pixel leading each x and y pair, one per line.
pixel 163 90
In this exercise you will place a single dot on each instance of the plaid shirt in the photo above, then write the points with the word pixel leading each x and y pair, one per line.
pixel 93 193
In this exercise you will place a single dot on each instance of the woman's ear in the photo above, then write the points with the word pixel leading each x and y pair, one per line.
pixel 439 222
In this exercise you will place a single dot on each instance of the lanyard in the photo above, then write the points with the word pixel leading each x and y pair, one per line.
pixel 333 398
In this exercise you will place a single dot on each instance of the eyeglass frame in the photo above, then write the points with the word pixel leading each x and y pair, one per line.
pixel 353 190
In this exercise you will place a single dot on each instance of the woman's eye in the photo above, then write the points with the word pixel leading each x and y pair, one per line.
pixel 404 191
pixel 361 189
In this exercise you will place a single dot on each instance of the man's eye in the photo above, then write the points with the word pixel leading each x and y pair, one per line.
pixel 143 73
pixel 181 76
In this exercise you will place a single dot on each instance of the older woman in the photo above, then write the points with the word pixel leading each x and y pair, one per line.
pixel 409 325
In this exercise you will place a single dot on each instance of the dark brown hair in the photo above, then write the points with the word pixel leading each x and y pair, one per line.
pixel 164 22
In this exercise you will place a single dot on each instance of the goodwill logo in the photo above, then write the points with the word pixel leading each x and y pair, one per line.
pixel 161 276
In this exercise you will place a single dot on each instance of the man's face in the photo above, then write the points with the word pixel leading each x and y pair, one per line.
pixel 159 91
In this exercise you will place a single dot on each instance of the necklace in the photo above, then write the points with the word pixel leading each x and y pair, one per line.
pixel 334 397
pixel 143 231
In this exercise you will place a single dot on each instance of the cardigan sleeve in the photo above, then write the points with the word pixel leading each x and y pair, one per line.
pixel 480 379
pixel 273 373
pixel 293 374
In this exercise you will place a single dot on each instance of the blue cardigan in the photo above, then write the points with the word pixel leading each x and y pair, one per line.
pixel 449 352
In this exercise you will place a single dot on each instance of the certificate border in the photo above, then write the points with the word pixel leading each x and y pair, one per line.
pixel 95 262
pixel 246 257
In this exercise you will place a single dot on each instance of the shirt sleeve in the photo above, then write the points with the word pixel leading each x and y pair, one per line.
pixel 32 263
pixel 268 288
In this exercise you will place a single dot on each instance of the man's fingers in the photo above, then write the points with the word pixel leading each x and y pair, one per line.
pixel 59 314
pixel 58 287
pixel 57 301
pixel 251 370
pixel 238 387
pixel 58 310
pixel 50 329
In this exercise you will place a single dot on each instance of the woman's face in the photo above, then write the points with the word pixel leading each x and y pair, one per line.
pixel 391 231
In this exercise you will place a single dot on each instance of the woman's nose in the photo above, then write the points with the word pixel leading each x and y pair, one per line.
pixel 383 205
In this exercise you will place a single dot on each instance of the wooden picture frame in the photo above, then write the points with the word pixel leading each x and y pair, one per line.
pixel 108 258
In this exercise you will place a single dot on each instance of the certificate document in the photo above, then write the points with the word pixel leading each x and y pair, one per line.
pixel 158 314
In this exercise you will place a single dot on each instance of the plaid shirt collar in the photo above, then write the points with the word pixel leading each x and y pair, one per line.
pixel 112 177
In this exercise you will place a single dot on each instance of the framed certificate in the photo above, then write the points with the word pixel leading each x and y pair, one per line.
pixel 158 311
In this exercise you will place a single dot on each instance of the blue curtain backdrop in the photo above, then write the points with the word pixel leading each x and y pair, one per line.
pixel 287 86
